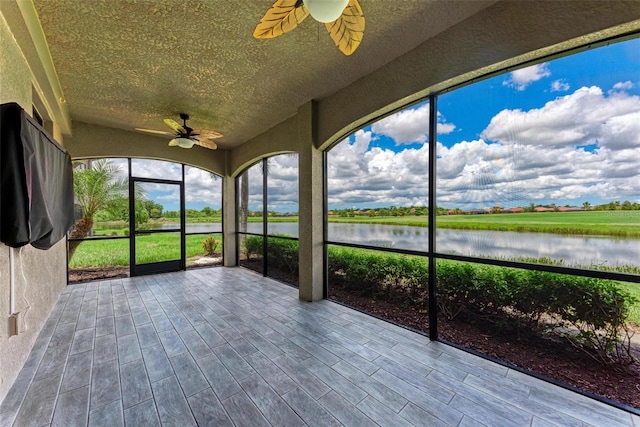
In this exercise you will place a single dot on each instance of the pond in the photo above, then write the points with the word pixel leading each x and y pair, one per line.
pixel 572 249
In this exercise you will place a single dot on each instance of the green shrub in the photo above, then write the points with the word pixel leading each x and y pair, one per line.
pixel 595 312
pixel 387 277
pixel 210 245
pixel 416 280
pixel 590 313
pixel 453 282
pixel 253 246
pixel 283 254
pixel 362 272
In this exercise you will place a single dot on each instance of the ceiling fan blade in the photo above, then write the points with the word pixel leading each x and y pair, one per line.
pixel 177 127
pixel 348 30
pixel 153 131
pixel 207 134
pixel 283 16
pixel 206 143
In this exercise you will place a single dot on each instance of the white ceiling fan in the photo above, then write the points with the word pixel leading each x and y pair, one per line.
pixel 186 137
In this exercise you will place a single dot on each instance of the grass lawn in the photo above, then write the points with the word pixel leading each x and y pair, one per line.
pixel 618 223
pixel 150 248
pixel 612 223
pixel 634 291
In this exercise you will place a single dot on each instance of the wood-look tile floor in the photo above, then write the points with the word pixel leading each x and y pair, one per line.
pixel 225 346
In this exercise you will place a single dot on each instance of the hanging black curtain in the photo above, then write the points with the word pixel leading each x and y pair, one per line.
pixel 36 182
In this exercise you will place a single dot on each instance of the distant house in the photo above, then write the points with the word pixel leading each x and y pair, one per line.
pixel 569 209
pixel 515 210
pixel 329 212
pixel 543 209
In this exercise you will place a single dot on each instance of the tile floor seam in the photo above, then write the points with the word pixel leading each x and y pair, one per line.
pixel 505 403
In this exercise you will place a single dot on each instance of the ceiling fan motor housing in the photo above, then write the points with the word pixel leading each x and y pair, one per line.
pixel 184 118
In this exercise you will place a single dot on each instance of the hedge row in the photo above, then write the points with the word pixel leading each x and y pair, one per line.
pixel 281 253
pixel 591 313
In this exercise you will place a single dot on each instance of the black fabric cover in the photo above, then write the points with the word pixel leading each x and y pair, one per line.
pixel 36 183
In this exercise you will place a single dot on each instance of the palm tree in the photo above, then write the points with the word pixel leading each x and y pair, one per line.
pixel 244 194
pixel 94 188
pixel 586 206
pixel 244 190
pixel 244 200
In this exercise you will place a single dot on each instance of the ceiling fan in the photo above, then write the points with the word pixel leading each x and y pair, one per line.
pixel 343 19
pixel 186 137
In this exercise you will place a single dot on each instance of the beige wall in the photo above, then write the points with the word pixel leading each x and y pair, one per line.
pixel 282 138
pixel 40 276
pixel 90 140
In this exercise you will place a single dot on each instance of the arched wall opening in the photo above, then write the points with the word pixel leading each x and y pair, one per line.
pixel 267 217
pixel 133 212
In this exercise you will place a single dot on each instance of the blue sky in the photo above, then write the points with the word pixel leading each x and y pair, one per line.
pixel 602 67
pixel 563 131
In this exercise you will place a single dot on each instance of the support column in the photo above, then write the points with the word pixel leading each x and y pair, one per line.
pixel 311 202
pixel 229 241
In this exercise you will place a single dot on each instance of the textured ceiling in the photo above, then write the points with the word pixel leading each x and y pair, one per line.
pixel 129 64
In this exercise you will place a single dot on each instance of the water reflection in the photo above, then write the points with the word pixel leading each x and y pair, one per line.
pixel 573 250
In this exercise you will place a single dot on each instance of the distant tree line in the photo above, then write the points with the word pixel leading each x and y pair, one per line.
pixel 617 206
pixel 146 210
pixel 423 210
pixel 118 210
pixel 384 211
pixel 205 212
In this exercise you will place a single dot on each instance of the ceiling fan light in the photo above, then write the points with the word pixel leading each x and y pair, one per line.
pixel 325 10
pixel 181 142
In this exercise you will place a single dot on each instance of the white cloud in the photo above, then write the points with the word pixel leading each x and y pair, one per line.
pixel 524 156
pixel 377 176
pixel 410 126
pixel 202 189
pixel 582 118
pixel 559 86
pixel 621 131
pixel 405 127
pixel 149 168
pixel 521 78
pixel 445 128
pixel 282 181
pixel 282 184
pixel 623 85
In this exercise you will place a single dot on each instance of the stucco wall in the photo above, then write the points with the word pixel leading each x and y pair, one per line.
pixel 90 140
pixel 40 276
pixel 282 138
